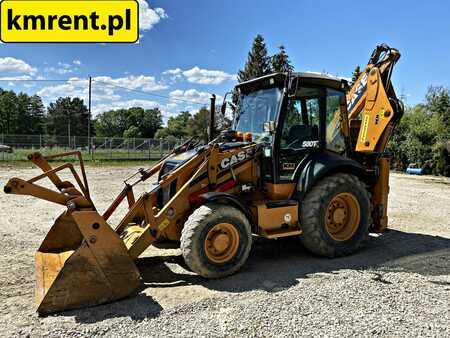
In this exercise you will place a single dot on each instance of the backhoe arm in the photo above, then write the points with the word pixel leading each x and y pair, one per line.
pixel 373 107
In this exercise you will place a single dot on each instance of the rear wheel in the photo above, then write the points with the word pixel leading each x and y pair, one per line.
pixel 335 216
pixel 216 240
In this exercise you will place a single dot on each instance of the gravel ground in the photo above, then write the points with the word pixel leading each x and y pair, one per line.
pixel 399 285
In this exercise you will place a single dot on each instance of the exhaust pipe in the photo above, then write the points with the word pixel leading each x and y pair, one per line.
pixel 212 118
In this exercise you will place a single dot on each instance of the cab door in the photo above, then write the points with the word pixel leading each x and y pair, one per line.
pixel 299 131
pixel 304 130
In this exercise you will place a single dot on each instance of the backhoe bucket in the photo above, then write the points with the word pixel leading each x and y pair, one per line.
pixel 82 262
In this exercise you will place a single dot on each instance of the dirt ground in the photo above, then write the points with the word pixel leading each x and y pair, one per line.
pixel 398 285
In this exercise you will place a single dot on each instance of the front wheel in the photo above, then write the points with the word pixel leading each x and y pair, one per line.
pixel 216 240
pixel 335 216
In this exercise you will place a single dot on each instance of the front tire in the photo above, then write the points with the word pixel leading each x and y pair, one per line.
pixel 216 240
pixel 335 216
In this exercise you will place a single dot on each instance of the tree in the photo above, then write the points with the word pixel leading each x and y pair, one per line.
pixel 21 114
pixel 280 61
pixel 67 116
pixel 422 135
pixel 144 122
pixel 36 115
pixel 132 122
pixel 8 109
pixel 198 125
pixel 438 102
pixel 176 126
pixel 355 75
pixel 258 61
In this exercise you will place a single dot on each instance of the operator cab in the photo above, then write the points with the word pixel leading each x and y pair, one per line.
pixel 292 115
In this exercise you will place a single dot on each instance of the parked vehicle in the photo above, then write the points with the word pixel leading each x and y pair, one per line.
pixel 5 149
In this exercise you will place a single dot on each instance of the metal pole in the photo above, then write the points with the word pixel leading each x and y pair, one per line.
pixel 89 114
pixel 68 131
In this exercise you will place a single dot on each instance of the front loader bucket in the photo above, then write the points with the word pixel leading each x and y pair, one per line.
pixel 82 262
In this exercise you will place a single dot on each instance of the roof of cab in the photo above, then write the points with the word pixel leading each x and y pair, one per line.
pixel 305 77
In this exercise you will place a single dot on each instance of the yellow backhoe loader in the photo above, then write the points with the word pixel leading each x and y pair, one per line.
pixel 305 157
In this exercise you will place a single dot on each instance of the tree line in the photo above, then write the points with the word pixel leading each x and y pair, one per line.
pixel 24 114
pixel 422 136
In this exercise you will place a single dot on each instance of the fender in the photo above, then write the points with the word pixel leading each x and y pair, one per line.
pixel 231 200
pixel 321 164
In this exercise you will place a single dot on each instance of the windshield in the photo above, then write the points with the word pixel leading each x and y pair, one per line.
pixel 254 109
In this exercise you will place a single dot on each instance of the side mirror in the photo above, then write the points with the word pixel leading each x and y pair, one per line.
pixel 223 109
pixel 269 126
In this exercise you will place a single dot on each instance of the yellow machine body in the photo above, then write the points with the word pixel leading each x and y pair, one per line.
pixel 85 261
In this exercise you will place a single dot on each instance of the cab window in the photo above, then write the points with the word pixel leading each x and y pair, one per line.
pixel 334 138
pixel 301 125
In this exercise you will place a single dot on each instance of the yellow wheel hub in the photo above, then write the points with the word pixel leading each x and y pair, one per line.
pixel 222 242
pixel 342 216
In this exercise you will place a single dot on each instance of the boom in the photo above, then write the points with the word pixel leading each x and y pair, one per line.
pixel 373 107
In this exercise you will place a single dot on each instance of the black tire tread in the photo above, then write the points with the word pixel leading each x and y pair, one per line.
pixel 313 237
pixel 191 231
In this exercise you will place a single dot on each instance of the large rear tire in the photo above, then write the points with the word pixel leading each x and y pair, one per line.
pixel 216 240
pixel 335 216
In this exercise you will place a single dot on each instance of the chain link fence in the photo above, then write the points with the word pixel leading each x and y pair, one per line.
pixel 17 147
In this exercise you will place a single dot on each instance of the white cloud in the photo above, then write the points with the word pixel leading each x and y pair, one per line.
pixel 172 105
pixel 63 68
pixel 205 76
pixel 103 87
pixel 77 87
pixel 15 78
pixel 176 71
pixel 148 17
pixel 141 82
pixel 13 65
pixel 200 76
pixel 105 94
pixel 102 107
pixel 191 95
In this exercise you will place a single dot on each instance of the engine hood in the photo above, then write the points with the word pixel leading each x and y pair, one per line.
pixel 174 161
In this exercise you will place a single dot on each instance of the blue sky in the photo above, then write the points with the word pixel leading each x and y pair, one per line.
pixel 189 49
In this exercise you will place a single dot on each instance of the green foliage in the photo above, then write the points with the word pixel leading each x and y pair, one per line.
pixel 198 125
pixel 67 116
pixel 258 61
pixel 186 125
pixel 20 113
pixel 423 133
pixel 280 61
pixel 133 122
pixel 176 126
pixel 355 75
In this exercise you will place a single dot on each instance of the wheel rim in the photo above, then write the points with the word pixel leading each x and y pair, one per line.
pixel 342 216
pixel 221 242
